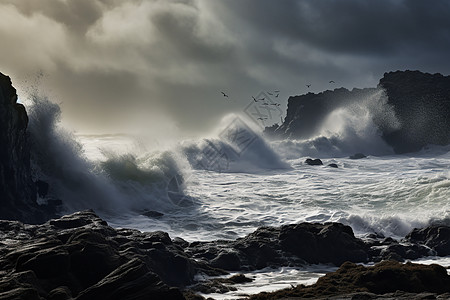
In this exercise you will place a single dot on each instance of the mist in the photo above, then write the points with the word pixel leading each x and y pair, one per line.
pixel 160 66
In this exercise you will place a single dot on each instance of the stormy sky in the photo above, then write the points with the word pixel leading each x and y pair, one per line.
pixel 114 65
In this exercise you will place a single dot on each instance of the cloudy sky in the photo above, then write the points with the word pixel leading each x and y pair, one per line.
pixel 115 64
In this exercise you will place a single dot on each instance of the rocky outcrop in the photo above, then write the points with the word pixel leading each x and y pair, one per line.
pixel 306 113
pixel 420 103
pixel 17 190
pixel 79 256
pixel 388 279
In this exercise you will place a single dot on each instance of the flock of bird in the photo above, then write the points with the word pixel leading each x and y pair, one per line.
pixel 276 93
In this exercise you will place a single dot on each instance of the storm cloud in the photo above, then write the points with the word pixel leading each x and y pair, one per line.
pixel 113 64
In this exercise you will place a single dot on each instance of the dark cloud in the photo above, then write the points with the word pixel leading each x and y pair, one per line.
pixel 107 60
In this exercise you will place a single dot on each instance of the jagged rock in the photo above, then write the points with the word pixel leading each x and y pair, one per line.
pixel 79 256
pixel 419 101
pixel 437 237
pixel 313 162
pixel 17 190
pixel 366 282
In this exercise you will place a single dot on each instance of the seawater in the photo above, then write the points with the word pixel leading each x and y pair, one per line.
pixel 266 183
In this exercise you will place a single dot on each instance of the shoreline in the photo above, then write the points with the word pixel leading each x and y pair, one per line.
pixel 78 256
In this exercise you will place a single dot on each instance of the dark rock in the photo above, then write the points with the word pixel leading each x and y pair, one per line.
pixel 385 277
pixel 333 165
pixel 357 156
pixel 60 293
pixel 327 243
pixel 313 162
pixel 419 101
pixel 133 280
pixel 437 237
pixel 17 190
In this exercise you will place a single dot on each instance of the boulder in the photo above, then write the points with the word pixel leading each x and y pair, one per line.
pixel 436 237
pixel 313 162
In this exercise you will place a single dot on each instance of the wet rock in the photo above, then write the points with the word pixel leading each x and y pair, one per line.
pixel 333 165
pixel 17 190
pixel 437 237
pixel 401 280
pixel 313 162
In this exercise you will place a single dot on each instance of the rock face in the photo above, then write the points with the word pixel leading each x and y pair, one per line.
pixel 420 102
pixel 17 190
pixel 306 113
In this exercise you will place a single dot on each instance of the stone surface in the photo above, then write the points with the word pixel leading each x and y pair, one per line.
pixel 386 279
pixel 79 256
pixel 313 162
pixel 17 190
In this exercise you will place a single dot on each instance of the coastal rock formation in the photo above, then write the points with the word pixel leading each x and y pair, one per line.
pixel 313 162
pixel 401 281
pixel 17 190
pixel 79 256
pixel 419 101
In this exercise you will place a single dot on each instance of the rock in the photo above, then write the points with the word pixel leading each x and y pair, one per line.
pixel 418 102
pixel 437 237
pixel 133 280
pixel 313 162
pixel 421 102
pixel 332 165
pixel 357 156
pixel 79 256
pixel 17 190
pixel 403 281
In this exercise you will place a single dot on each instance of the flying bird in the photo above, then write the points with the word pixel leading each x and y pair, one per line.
pixel 276 104
pixel 262 118
pixel 276 96
pixel 308 86
pixel 262 99
pixel 270 93
pixel 331 81
pixel 276 91
pixel 254 99
pixel 225 95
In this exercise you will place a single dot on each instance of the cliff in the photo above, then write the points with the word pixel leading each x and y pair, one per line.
pixel 17 190
pixel 420 102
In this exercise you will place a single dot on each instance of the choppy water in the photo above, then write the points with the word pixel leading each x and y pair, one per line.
pixel 226 185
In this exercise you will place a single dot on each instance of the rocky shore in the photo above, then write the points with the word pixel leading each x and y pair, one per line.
pixel 79 256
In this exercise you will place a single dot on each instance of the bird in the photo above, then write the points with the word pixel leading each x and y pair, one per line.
pixel 262 118
pixel 308 86
pixel 265 103
pixel 276 96
pixel 225 95
pixel 276 91
pixel 331 81
pixel 276 104
pixel 254 99
pixel 270 93
pixel 262 99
